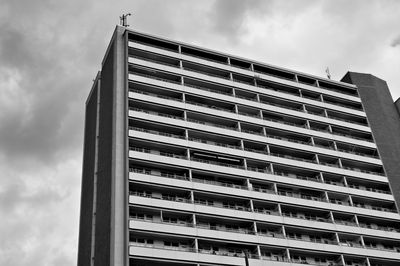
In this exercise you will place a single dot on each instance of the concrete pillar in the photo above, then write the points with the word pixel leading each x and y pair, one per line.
pixel 188 154
pixel 271 166
pixel 351 201
pixel 362 241
pixel 244 163
pixel 251 205
pixel 356 219
pixel 316 158
pixel 279 209
pixel 248 184
pixel 190 174
pixel 308 124
pixel 236 109
pixel 194 220
pixel 342 259
pixel 196 245
pixel 275 188
pixel 327 197
pixel 258 251
pixel 321 176
pixel 284 231
pixel 255 227
pixel 288 255
pixel 238 126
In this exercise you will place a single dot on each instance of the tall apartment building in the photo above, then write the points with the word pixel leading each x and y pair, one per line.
pixel 196 157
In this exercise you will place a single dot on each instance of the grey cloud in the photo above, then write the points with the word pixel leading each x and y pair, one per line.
pixel 12 50
pixel 51 71
pixel 396 41
pixel 228 15
pixel 31 221
pixel 19 195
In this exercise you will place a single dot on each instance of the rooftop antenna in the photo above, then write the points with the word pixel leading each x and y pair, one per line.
pixel 123 20
pixel 328 74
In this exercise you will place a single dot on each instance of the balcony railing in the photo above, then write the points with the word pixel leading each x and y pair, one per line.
pixel 261 170
pixel 210 106
pixel 301 196
pixel 375 208
pixel 258 116
pixel 345 222
pixel 218 163
pixel 286 123
pixel 380 247
pixel 314 179
pixel 155 95
pixel 307 217
pixel 313 262
pixel 218 183
pixel 207 89
pixel 211 124
pixel 379 227
pixel 154 61
pixel 161 173
pixel 157 152
pixel 215 143
pixel 155 132
pixel 313 239
pixel 205 73
pixel 267 211
pixel 362 170
pixel 155 113
pixel 153 45
pixel 157 78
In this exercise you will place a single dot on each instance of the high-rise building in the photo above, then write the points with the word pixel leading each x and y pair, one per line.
pixel 197 157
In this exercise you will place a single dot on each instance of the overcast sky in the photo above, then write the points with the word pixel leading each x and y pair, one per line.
pixel 50 52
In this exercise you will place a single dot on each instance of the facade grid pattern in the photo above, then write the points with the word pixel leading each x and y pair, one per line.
pixel 231 160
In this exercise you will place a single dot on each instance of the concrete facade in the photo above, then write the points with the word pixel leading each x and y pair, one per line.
pixel 196 157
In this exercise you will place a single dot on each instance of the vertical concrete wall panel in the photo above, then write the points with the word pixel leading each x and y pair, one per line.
pixel 89 149
pixel 384 120
pixel 104 175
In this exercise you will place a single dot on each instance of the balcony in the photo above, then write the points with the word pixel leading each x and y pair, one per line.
pixel 203 69
pixel 342 102
pixel 222 202
pixel 206 86
pixel 306 214
pixel 155 74
pixel 347 118
pixel 235 162
pixel 155 92
pixel 291 121
pixel 379 224
pixel 344 219
pixel 138 38
pixel 315 259
pixel 153 57
pixel 204 55
pixel 372 204
pixel 310 236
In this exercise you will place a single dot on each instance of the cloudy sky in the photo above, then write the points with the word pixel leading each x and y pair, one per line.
pixel 50 51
